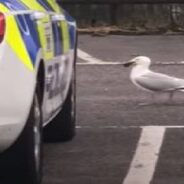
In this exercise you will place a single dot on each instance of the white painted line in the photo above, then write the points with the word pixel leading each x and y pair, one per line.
pixel 128 127
pixel 101 63
pixel 179 126
pixel 167 126
pixel 90 60
pixel 146 156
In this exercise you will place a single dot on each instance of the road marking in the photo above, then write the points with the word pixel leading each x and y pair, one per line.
pixel 146 156
pixel 145 159
pixel 127 127
pixel 90 60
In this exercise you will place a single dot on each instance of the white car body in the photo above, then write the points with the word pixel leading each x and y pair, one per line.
pixel 18 71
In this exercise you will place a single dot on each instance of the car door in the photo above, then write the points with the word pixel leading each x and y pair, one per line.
pixel 62 52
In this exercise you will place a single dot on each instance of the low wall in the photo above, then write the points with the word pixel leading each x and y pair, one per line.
pixel 128 16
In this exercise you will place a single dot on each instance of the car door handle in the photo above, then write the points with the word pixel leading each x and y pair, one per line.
pixel 58 17
pixel 37 15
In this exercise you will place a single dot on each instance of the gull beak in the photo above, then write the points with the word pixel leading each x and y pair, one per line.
pixel 129 63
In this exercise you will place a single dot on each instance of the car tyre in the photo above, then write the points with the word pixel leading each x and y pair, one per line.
pixel 62 127
pixel 25 157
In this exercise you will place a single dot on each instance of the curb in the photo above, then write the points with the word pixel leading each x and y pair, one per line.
pixel 108 31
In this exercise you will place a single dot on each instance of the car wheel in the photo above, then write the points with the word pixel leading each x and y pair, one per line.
pixel 24 158
pixel 62 127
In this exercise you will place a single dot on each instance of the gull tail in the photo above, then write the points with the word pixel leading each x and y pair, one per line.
pixel 180 89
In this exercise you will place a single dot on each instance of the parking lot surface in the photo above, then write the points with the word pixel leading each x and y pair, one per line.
pixel 118 140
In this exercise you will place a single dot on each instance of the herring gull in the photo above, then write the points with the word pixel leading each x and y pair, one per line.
pixel 151 81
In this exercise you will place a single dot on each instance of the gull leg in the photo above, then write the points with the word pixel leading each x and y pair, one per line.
pixel 171 95
pixel 149 103
pixel 153 97
pixel 169 101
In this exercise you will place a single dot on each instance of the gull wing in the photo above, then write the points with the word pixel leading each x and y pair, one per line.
pixel 159 82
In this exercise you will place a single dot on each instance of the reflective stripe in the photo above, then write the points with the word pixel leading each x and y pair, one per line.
pixel 45 29
pixel 28 30
pixel 14 39
pixel 13 36
pixel 45 40
pixel 72 29
pixel 3 8
pixel 46 5
pixel 33 4
pixel 14 5
pixel 57 38
pixel 54 5
pixel 64 26
pixel 66 36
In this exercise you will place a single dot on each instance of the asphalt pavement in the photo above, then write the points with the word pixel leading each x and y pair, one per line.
pixel 111 119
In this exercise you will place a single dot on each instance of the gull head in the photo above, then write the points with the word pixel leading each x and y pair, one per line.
pixel 139 61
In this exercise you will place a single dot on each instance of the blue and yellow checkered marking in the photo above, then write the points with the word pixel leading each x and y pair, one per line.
pixel 72 30
pixel 58 49
pixel 46 5
pixel 30 35
pixel 57 39
pixel 14 5
pixel 13 35
pixel 63 28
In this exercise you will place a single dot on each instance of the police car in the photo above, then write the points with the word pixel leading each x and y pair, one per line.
pixel 37 78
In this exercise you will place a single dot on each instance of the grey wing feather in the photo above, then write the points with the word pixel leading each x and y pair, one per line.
pixel 159 82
